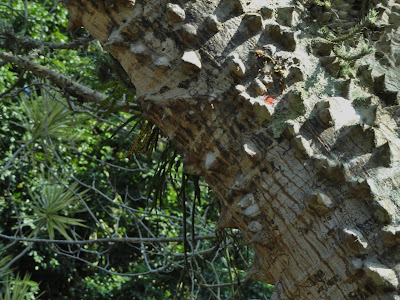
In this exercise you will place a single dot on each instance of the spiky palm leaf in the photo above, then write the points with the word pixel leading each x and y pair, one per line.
pixel 44 117
pixel 18 288
pixel 49 204
pixel 4 271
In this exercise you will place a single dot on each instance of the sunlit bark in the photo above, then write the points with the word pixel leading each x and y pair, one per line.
pixel 303 155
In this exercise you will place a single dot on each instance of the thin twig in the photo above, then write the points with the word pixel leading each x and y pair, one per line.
pixel 108 240
pixel 34 43
pixel 14 85
pixel 8 164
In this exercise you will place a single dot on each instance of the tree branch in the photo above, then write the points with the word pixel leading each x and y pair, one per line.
pixel 160 269
pixel 108 240
pixel 62 81
pixel 33 43
pixel 22 253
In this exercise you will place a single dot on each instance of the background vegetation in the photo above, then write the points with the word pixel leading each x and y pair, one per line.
pixel 78 219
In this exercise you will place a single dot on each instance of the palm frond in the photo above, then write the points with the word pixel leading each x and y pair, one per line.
pixel 44 117
pixel 49 205
pixel 18 288
pixel 3 262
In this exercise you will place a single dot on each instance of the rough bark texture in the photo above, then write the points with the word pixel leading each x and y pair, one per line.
pixel 305 160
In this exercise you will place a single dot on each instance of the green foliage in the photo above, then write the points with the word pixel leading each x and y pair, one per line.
pixel 350 41
pixel 327 4
pixel 43 118
pixel 369 19
pixel 349 54
pixel 19 288
pixel 4 271
pixel 52 200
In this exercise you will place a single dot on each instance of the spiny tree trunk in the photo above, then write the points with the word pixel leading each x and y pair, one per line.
pixel 303 156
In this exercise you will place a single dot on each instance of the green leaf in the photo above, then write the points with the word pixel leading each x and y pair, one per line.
pixel 51 202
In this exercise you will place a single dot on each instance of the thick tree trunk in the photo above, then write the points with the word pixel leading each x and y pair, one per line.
pixel 305 160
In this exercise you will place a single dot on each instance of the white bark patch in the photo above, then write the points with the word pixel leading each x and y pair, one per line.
pixel 210 160
pixel 244 96
pixel 192 58
pixel 342 112
pixel 259 87
pixel 138 48
pixel 250 149
pixel 354 239
pixel 240 89
pixel 252 211
pixel 254 226
pixel 236 65
pixel 175 13
pixel 246 201
pixel 256 4
pixel 161 61
pixel 267 80
pixel 381 275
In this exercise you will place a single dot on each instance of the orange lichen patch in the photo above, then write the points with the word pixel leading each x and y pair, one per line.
pixel 268 99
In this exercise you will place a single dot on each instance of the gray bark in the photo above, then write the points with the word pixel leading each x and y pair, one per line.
pixel 298 137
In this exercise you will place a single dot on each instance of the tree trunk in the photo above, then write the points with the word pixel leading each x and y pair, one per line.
pixel 297 136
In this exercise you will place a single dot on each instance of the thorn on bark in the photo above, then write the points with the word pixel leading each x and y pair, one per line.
pixel 256 272
pixel 304 146
pixel 253 21
pixel 192 60
pixel 212 24
pixel 236 65
pixel 266 12
pixel 354 240
pixel 175 13
pixel 259 87
pixel 139 48
pixel 381 275
pixel 254 226
pixel 189 34
pixel 321 203
pixel 391 235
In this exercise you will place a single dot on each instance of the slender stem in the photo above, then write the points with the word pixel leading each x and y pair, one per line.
pixel 8 164
pixel 14 85
pixel 108 240
pixel 22 253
